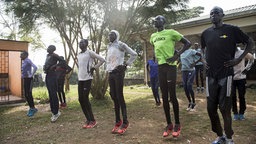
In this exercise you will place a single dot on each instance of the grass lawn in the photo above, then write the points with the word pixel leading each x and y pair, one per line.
pixel 147 122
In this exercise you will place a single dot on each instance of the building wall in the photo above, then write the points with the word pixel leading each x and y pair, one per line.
pixel 12 64
pixel 15 73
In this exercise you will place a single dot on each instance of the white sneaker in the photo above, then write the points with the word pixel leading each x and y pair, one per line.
pixel 229 141
pixel 198 90
pixel 189 107
pixel 55 117
pixel 202 89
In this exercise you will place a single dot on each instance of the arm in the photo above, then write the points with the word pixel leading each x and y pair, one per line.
pixel 249 46
pixel 203 44
pixel 186 45
pixel 200 58
pixel 101 60
pixel 68 69
pixel 133 54
pixel 34 68
pixel 57 57
pixel 250 59
pixel 147 67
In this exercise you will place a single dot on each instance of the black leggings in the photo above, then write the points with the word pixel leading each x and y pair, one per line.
pixel 84 88
pixel 240 86
pixel 200 72
pixel 28 85
pixel 167 79
pixel 61 92
pixel 188 79
pixel 116 83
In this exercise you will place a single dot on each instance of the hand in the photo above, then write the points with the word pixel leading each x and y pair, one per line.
pixel 193 64
pixel 172 59
pixel 206 66
pixel 231 63
pixel 244 71
pixel 91 71
pixel 53 67
pixel 31 76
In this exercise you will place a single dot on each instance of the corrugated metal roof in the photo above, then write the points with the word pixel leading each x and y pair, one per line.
pixel 251 9
pixel 241 9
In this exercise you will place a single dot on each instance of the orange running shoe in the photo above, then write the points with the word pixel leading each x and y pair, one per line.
pixel 176 131
pixel 123 128
pixel 91 124
pixel 117 125
pixel 168 130
pixel 86 124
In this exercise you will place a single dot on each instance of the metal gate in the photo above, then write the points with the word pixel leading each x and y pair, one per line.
pixel 4 76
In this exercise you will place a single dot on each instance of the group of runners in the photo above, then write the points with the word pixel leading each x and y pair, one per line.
pixel 218 55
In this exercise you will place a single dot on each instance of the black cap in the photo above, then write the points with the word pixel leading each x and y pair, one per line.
pixel 51 47
pixel 218 8
pixel 159 17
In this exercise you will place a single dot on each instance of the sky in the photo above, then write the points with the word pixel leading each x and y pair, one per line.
pixel 39 56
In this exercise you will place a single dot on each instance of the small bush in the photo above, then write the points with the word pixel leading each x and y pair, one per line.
pixel 41 94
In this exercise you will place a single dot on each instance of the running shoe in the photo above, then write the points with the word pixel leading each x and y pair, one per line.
pixel 91 124
pixel 193 105
pixel 31 112
pixel 123 128
pixel 202 89
pixel 158 104
pixel 236 117
pixel 176 130
pixel 168 130
pixel 220 140
pixel 55 117
pixel 117 125
pixel 63 105
pixel 86 124
pixel 198 90
pixel 241 116
pixel 229 141
pixel 189 107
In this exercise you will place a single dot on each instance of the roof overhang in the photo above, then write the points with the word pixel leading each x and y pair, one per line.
pixel 11 45
pixel 245 20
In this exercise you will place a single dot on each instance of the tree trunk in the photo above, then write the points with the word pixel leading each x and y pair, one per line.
pixel 99 85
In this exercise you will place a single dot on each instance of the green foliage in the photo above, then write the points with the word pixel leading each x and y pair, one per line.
pixel 190 13
pixel 41 94
pixel 73 78
pixel 138 47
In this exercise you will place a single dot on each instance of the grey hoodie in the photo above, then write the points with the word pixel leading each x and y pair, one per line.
pixel 116 53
